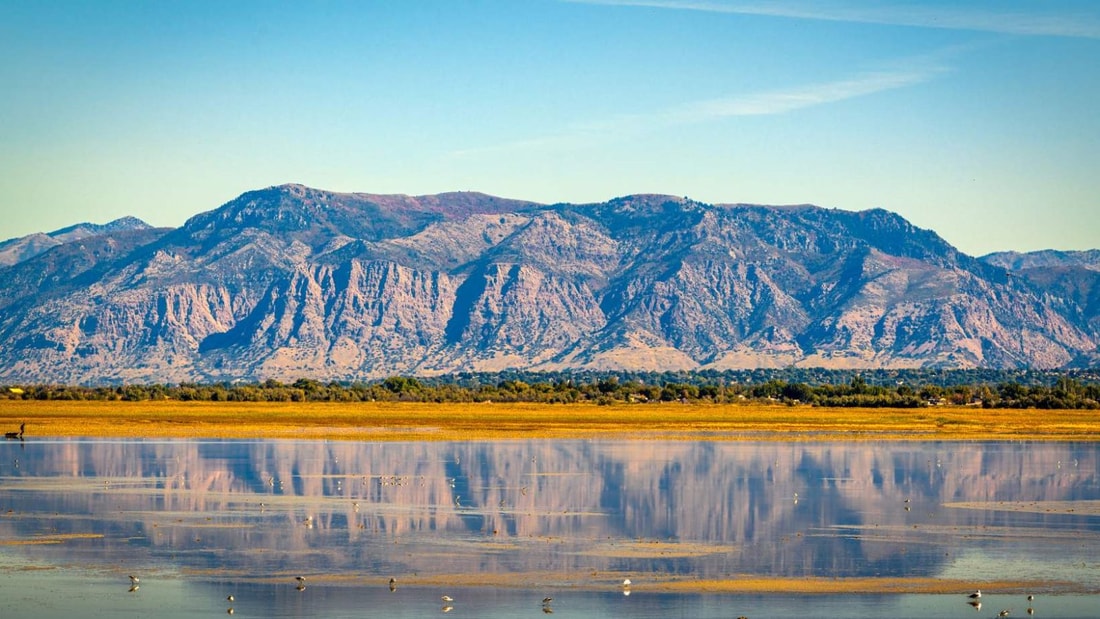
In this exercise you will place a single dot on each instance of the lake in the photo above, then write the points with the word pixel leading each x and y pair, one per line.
pixel 499 525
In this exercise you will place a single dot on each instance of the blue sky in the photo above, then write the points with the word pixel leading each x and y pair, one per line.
pixel 978 119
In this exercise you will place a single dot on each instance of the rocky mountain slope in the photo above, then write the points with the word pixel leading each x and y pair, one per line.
pixel 14 251
pixel 1048 258
pixel 1067 279
pixel 289 281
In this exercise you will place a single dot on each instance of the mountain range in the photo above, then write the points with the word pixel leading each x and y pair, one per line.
pixel 290 282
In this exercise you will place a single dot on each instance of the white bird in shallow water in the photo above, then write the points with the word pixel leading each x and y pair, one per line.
pixel 626 583
pixel 447 598
pixel 977 594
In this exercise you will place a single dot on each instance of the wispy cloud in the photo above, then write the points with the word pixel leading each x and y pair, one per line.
pixel 783 101
pixel 708 110
pixel 990 17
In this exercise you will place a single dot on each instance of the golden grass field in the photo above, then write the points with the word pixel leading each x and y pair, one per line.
pixel 388 421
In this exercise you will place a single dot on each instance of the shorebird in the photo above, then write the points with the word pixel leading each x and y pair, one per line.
pixel 393 584
pixel 626 583
pixel 134 580
pixel 229 599
pixel 16 435
pixel 1030 598
pixel 547 600
pixel 977 594
pixel 447 598
pixel 1003 613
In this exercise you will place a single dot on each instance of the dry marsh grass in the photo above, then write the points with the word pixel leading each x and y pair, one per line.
pixel 389 421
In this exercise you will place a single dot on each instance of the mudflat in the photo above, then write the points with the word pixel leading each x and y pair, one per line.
pixel 404 421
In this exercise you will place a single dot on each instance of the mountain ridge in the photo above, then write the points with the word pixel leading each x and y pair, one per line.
pixel 291 281
pixel 18 249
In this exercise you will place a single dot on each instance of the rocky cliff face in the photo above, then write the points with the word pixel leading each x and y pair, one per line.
pixel 1066 280
pixel 290 281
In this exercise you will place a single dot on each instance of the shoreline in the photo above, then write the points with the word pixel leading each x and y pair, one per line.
pixel 612 581
pixel 743 583
pixel 400 421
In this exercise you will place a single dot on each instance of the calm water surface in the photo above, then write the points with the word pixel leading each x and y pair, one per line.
pixel 200 520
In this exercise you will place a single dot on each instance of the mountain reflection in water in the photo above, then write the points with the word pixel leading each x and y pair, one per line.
pixel 563 512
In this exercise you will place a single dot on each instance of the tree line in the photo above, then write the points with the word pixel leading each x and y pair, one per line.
pixel 905 389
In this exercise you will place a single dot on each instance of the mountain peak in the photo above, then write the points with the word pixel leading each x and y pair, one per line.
pixel 317 216
pixel 1046 258
pixel 14 251
pixel 84 230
